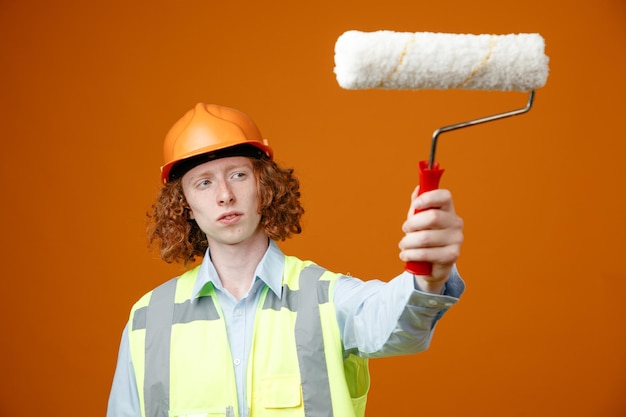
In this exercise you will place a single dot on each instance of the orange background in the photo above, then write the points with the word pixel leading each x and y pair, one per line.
pixel 89 90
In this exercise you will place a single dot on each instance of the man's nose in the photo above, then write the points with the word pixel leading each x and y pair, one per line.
pixel 226 194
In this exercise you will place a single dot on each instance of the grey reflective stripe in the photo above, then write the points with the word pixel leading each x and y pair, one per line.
pixel 156 390
pixel 202 308
pixel 310 345
pixel 290 298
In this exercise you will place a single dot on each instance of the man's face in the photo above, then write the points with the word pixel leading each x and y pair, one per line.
pixel 224 200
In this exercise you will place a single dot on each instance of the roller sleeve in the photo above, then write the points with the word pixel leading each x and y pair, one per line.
pixel 425 60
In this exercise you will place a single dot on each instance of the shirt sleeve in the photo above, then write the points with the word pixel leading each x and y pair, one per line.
pixel 378 319
pixel 124 397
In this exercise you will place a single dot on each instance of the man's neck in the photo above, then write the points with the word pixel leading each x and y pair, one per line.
pixel 235 264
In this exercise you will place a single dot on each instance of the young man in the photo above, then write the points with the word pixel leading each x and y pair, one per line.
pixel 251 331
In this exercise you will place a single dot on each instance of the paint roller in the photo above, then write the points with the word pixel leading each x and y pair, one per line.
pixel 425 60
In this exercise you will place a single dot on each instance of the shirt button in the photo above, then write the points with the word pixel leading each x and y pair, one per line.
pixel 237 362
pixel 238 312
pixel 432 302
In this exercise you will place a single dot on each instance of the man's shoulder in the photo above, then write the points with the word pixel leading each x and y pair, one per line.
pixel 178 283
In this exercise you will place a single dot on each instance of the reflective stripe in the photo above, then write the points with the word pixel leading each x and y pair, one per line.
pixel 290 298
pixel 310 344
pixel 158 334
pixel 202 308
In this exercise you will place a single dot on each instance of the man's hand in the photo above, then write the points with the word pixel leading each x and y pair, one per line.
pixel 434 235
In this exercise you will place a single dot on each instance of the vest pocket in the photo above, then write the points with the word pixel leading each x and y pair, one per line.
pixel 281 391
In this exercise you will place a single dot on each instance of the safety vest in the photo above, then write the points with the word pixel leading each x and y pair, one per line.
pixel 297 366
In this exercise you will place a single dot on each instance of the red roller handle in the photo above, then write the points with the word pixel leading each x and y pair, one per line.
pixel 429 180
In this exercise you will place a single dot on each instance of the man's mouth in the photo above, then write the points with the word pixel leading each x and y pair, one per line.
pixel 230 217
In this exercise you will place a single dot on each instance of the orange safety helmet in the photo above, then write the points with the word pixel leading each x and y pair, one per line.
pixel 211 129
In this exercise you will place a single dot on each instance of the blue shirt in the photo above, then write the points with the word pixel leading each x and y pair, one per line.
pixel 376 319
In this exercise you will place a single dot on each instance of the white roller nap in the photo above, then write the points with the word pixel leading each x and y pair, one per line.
pixel 425 60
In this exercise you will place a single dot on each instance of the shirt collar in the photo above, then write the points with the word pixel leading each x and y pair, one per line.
pixel 269 270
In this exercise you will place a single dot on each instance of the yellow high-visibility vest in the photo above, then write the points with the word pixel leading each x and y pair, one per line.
pixel 297 366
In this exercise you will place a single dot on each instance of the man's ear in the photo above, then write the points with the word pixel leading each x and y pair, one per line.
pixel 186 206
pixel 191 216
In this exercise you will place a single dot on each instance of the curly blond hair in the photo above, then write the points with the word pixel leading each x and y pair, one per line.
pixel 178 237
